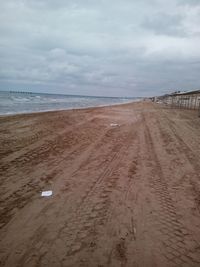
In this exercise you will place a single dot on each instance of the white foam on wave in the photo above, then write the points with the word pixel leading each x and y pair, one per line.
pixel 15 103
pixel 21 99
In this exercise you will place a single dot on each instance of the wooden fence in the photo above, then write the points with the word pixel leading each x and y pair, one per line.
pixel 190 100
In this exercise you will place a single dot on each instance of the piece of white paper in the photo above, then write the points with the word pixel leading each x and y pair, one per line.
pixel 46 193
pixel 114 124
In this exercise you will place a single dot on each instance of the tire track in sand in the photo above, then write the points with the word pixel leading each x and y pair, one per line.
pixel 26 192
pixel 72 236
pixel 51 146
pixel 180 249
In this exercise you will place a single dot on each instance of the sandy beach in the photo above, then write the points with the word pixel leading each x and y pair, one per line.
pixel 123 195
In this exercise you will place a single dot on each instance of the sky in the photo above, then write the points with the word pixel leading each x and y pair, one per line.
pixel 103 47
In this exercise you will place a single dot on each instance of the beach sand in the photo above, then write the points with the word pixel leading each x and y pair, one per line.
pixel 123 195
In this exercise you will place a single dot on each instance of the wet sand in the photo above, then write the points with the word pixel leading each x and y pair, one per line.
pixel 127 195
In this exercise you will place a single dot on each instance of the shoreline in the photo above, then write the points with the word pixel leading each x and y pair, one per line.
pixel 63 110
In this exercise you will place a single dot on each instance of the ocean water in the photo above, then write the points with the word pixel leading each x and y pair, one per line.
pixel 22 102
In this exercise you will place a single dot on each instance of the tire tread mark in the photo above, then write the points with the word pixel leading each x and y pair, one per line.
pixel 180 247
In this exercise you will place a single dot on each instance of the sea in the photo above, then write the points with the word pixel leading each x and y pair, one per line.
pixel 27 102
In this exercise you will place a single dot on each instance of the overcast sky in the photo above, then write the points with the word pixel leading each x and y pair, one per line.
pixel 102 47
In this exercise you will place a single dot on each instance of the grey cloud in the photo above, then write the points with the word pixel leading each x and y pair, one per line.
pixel 189 2
pixel 165 24
pixel 105 48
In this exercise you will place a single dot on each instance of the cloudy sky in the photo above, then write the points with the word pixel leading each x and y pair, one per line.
pixel 102 47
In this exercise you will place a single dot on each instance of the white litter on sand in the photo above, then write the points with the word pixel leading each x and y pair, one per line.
pixel 134 230
pixel 114 124
pixel 46 193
